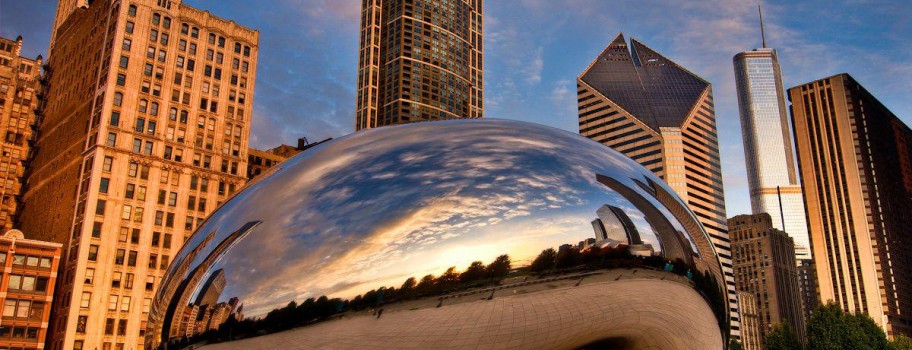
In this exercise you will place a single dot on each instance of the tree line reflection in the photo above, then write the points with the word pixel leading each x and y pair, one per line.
pixel 565 259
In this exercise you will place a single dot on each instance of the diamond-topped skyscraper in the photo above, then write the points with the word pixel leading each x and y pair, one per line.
pixel 640 103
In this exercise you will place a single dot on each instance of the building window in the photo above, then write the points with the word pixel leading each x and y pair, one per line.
pixel 93 252
pixel 100 207
pixel 121 329
pixel 115 118
pixel 125 305
pixel 96 229
pixel 86 300
pixel 81 327
pixel 103 185
pixel 89 276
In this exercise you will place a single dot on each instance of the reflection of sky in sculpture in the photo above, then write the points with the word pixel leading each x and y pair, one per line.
pixel 377 207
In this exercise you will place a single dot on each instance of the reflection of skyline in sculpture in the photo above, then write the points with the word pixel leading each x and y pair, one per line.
pixel 368 211
pixel 616 225
pixel 671 242
pixel 180 307
pixel 212 289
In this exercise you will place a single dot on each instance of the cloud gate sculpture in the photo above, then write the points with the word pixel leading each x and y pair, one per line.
pixel 451 234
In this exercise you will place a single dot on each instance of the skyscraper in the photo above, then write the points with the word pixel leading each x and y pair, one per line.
pixel 771 174
pixel 855 158
pixel 419 60
pixel 661 115
pixel 19 88
pixel 144 132
pixel 765 267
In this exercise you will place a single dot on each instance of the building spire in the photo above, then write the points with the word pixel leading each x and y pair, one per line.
pixel 762 32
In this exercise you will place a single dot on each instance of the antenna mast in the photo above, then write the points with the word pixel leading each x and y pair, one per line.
pixel 762 32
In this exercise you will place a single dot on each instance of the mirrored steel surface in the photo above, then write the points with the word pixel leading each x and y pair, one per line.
pixel 436 215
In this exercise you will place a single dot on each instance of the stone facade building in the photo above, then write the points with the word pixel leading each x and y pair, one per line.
pixel 26 289
pixel 765 267
pixel 20 87
pixel 144 132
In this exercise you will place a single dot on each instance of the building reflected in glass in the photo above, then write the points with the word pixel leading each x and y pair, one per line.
pixel 455 233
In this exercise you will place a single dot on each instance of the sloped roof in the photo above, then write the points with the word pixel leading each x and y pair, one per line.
pixel 653 88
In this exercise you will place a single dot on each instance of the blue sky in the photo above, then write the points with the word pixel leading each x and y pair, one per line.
pixel 536 48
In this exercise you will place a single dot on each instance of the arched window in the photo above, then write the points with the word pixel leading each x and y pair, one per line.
pixel 156 18
pixel 166 22
pixel 132 10
pixel 153 109
pixel 143 105
pixel 172 114
pixel 118 98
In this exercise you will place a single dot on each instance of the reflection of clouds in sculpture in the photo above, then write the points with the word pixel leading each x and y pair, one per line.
pixel 375 208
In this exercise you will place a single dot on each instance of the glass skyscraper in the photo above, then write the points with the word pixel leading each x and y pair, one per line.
pixel 771 174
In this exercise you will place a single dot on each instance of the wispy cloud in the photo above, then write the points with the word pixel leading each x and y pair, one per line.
pixel 308 55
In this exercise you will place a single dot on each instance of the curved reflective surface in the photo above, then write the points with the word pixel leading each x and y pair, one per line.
pixel 423 229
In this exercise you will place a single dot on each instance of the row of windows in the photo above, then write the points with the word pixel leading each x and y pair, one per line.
pixel 24 309
pixel 27 261
pixel 27 284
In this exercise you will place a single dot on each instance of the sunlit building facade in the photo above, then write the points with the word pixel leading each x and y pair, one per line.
pixel 26 290
pixel 771 173
pixel 19 89
pixel 420 60
pixel 855 159
pixel 661 115
pixel 750 322
pixel 144 132
pixel 765 267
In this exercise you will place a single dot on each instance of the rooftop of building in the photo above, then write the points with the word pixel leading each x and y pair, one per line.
pixel 644 83
pixel 18 237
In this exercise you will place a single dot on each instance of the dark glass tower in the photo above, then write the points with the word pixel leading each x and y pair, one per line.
pixel 419 60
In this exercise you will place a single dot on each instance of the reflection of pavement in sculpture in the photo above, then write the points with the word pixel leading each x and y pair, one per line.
pixel 554 315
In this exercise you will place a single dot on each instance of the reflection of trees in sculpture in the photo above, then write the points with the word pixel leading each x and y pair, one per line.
pixel 567 258
pixel 320 309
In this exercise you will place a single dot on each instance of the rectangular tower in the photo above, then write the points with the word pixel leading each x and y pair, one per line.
pixel 855 159
pixel 765 267
pixel 771 175
pixel 419 60
pixel 661 115
pixel 19 90
pixel 144 132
